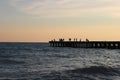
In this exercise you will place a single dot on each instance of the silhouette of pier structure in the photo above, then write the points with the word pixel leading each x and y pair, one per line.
pixel 85 44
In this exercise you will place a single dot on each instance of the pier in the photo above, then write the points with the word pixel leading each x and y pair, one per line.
pixel 86 44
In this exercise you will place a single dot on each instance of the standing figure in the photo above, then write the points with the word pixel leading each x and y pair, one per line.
pixel 76 39
pixel 69 39
pixel 87 40
pixel 80 40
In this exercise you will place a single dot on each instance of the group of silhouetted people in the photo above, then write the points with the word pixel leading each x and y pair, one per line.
pixel 75 39
pixel 61 40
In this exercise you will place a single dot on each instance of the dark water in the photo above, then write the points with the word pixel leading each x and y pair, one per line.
pixel 38 61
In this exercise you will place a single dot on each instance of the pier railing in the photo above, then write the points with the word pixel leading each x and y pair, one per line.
pixel 86 44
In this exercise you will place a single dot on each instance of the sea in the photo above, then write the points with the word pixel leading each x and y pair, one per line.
pixel 39 61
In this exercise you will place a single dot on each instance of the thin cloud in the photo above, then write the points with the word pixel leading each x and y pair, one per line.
pixel 67 8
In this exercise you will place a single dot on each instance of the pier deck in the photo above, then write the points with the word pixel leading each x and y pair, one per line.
pixel 86 44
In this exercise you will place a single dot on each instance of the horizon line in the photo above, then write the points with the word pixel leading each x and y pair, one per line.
pixel 21 42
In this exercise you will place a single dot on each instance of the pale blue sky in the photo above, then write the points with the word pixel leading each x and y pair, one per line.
pixel 59 18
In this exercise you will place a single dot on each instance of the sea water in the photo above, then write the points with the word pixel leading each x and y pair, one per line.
pixel 39 61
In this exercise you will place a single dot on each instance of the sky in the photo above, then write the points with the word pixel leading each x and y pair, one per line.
pixel 43 20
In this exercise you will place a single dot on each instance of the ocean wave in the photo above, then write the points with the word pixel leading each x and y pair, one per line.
pixel 88 73
pixel 96 70
pixel 10 61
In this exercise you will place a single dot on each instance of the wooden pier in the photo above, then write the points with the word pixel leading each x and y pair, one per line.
pixel 86 44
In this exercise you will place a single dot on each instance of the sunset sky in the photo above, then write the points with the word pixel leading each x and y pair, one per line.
pixel 43 20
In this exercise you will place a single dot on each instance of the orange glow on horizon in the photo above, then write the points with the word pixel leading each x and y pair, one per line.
pixel 46 34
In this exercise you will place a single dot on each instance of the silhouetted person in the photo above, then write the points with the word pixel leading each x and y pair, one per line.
pixel 80 40
pixel 87 40
pixel 60 39
pixel 69 39
pixel 76 39
pixel 63 39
